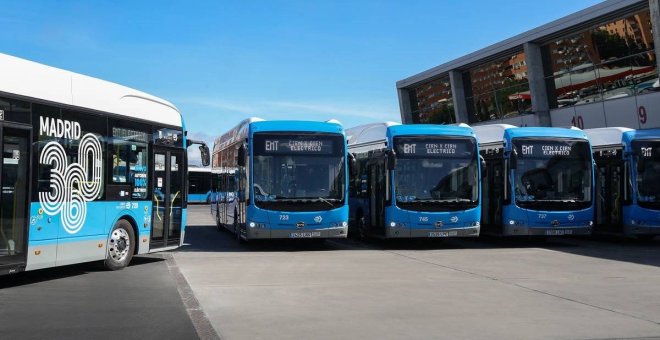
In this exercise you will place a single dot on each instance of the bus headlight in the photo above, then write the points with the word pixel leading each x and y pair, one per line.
pixel 344 224
pixel 394 224
pixel 252 224
pixel 256 225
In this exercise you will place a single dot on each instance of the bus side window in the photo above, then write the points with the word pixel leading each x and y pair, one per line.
pixel 130 150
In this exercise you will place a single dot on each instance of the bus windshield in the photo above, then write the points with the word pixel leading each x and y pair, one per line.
pixel 553 173
pixel 298 171
pixel 436 173
pixel 648 173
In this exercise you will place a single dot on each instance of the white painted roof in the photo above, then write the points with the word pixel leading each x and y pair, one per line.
pixel 368 133
pixel 606 136
pixel 30 79
pixel 491 133
pixel 238 132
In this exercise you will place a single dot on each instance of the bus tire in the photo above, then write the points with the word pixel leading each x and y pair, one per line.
pixel 121 246
pixel 218 225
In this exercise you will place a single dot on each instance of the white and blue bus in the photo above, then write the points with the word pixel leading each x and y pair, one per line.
pixel 538 181
pixel 201 184
pixel 282 179
pixel 414 181
pixel 627 181
pixel 91 170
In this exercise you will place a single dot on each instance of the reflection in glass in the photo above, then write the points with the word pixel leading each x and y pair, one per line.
pixel 500 89
pixel 553 172
pixel 433 102
pixel 293 179
pixel 613 60
pixel 438 180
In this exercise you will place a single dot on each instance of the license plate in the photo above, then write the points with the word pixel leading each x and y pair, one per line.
pixel 443 233
pixel 558 232
pixel 306 234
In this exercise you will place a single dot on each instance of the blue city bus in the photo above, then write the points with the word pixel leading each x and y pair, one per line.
pixel 91 170
pixel 627 181
pixel 414 181
pixel 201 184
pixel 538 181
pixel 282 179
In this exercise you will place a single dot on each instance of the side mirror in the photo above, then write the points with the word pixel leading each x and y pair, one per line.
pixel 206 155
pixel 240 158
pixel 514 160
pixel 352 165
pixel 390 159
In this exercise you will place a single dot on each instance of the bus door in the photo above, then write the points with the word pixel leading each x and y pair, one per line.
pixel 609 184
pixel 15 165
pixel 377 197
pixel 495 191
pixel 168 192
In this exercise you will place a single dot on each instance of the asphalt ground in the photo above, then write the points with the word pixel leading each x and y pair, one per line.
pixel 87 302
pixel 492 288
pixel 487 288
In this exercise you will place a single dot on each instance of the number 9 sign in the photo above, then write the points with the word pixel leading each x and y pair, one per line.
pixel 641 114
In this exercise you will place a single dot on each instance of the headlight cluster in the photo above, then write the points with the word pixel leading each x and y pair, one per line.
pixel 394 224
pixel 516 222
pixel 337 224
pixel 257 225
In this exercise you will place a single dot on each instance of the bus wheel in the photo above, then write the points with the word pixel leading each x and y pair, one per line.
pixel 217 219
pixel 121 246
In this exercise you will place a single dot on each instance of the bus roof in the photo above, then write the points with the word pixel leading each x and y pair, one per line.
pixel 632 135
pixel 252 125
pixel 608 136
pixel 431 129
pixel 30 79
pixel 560 132
pixel 368 133
pixel 491 133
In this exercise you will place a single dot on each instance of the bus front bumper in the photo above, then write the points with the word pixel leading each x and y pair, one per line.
pixel 510 230
pixel 405 232
pixel 296 233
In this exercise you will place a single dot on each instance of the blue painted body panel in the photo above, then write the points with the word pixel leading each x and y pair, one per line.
pixel 317 220
pixel 636 219
pixel 580 221
pixel 410 220
pixel 199 198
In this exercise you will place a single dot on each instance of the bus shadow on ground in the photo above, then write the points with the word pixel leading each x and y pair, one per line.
pixel 56 273
pixel 616 248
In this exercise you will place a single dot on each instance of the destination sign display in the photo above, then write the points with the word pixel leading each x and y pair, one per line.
pixel 295 145
pixel 549 149
pixel 434 148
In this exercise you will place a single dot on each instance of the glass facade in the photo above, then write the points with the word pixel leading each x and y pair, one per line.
pixel 498 89
pixel 613 60
pixel 433 103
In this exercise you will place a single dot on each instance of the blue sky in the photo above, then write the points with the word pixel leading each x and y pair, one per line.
pixel 223 61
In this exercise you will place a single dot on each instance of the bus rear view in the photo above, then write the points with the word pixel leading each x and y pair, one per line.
pixel 290 181
pixel 414 181
pixel 539 181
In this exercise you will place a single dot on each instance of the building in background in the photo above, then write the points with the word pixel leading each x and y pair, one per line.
pixel 593 68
